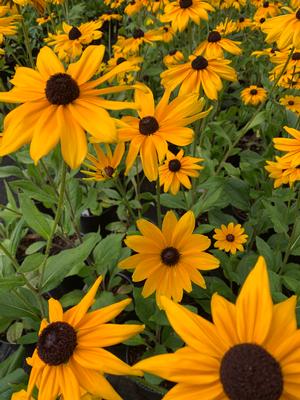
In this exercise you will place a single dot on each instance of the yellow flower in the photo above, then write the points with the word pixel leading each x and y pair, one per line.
pixel 133 7
pixel 156 126
pixel 283 172
pixel 249 351
pixel 176 170
pixel 243 23
pixel 291 146
pixel 205 72
pixel 253 95
pixel 174 57
pixel 169 259
pixel 21 395
pixel 38 4
pixel 45 18
pixel 104 166
pixel 215 44
pixel 60 106
pixel 267 10
pixel 114 3
pixel 69 356
pixel 8 23
pixel 138 38
pixel 69 44
pixel 227 27
pixel 283 29
pixel 230 238
pixel 179 13
pixel 292 103
pixel 110 17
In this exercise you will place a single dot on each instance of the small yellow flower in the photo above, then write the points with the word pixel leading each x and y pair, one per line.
pixel 174 57
pixel 230 238
pixel 253 95
pixel 283 172
pixel 290 146
pixel 292 103
pixel 215 45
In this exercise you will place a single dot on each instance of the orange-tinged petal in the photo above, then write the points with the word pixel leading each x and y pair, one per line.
pixel 48 63
pixel 55 310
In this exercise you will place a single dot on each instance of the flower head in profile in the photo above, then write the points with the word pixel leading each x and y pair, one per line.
pixel 283 29
pixel 8 23
pixel 60 105
pixel 267 9
pixel 230 238
pixel 199 72
pixel 242 23
pixel 215 45
pixel 103 167
pixel 174 57
pixel 283 172
pixel 253 95
pixel 177 169
pixel 249 351
pixel 180 12
pixel 157 125
pixel 69 43
pixel 290 146
pixel 69 358
pixel 291 103
pixel 169 259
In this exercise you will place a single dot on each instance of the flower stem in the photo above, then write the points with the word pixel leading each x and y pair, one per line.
pixel 26 39
pixel 158 205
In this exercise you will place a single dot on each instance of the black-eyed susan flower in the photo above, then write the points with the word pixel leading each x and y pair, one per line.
pixel 169 259
pixel 249 351
pixel 291 103
pixel 39 5
pixel 215 45
pixel 267 9
pixel 69 358
pixel 174 57
pixel 69 43
pixel 288 63
pixel 59 106
pixel 110 17
pixel 283 29
pixel 156 126
pixel 139 37
pixel 114 3
pixel 8 23
pixel 242 23
pixel 104 166
pixel 226 27
pixel 177 169
pixel 230 238
pixel 199 72
pixel 119 58
pixel 133 7
pixel 180 12
pixel 290 146
pixel 283 172
pixel 253 95
pixel 164 34
pixel 45 18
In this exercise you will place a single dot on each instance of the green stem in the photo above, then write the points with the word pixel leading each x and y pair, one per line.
pixel 292 240
pixel 158 204
pixel 26 39
pixel 56 221
pixel 10 209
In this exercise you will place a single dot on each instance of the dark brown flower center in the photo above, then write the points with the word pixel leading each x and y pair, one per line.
pixel 148 125
pixel 241 19
pixel 57 343
pixel 61 89
pixel 298 14
pixel 74 33
pixel 172 52
pixel 291 102
pixel 185 3
pixel 199 63
pixel 120 60
pixel 230 238
pixel 266 4
pixel 296 56
pixel 170 256
pixel 249 372
pixel 262 20
pixel 174 165
pixel 109 171
pixel 138 33
pixel 214 36
pixel 253 92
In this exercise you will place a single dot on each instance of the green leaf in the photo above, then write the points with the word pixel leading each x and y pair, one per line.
pixel 11 282
pixel 10 170
pixel 12 362
pixel 7 383
pixel 18 305
pixel 32 262
pixel 259 119
pixel 172 201
pixel 107 252
pixel 14 332
pixel 58 266
pixel 33 217
pixel 34 247
pixel 238 193
pixel 144 308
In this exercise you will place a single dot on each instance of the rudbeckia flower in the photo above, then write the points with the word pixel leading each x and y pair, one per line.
pixel 253 95
pixel 243 23
pixel 180 12
pixel 177 169
pixel 59 106
pixel 215 44
pixel 156 126
pixel 174 57
pixel 267 10
pixel 69 44
pixel 69 358
pixel 292 103
pixel 290 146
pixel 230 238
pixel 8 23
pixel 249 351
pixel 283 172
pixel 133 7
pixel 199 72
pixel 283 29
pixel 40 5
pixel 169 259
pixel 226 27
pixel 104 166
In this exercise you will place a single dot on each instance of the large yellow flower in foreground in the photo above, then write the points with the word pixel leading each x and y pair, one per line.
pixel 169 259
pixel 69 358
pixel 59 106
pixel 249 352
pixel 290 146
pixel 149 134
pixel 199 72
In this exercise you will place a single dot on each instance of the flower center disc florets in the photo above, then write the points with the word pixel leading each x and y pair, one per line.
pixel 214 37
pixel 249 372
pixel 185 3
pixel 109 171
pixel 61 89
pixel 148 125
pixel 296 56
pixel 230 238
pixel 170 256
pixel 241 19
pixel 298 14
pixel 253 92
pixel 74 33
pixel 199 63
pixel 291 102
pixel 138 33
pixel 57 343
pixel 262 20
pixel 174 165
pixel 266 4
